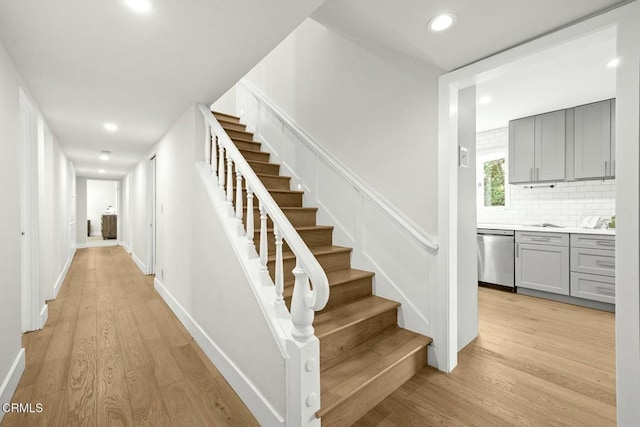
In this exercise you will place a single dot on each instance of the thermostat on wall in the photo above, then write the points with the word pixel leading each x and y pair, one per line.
pixel 463 157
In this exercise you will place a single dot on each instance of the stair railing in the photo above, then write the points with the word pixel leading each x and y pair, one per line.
pixel 303 350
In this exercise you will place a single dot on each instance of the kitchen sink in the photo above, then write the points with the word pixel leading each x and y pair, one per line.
pixel 546 224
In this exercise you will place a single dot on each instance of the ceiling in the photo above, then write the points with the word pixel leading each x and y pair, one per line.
pixel 87 62
pixel 574 73
pixel 482 28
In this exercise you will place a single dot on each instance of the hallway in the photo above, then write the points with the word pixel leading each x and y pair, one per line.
pixel 113 354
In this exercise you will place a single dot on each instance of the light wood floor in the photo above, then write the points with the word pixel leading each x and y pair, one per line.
pixel 113 354
pixel 535 363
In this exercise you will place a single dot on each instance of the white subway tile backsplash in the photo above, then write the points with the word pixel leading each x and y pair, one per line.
pixel 566 204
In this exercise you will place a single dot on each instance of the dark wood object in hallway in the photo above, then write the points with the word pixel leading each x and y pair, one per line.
pixel 112 353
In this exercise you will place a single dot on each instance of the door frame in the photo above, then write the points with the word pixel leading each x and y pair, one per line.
pixel 450 84
pixel 32 313
pixel 151 214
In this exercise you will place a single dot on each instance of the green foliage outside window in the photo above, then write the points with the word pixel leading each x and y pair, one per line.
pixel 494 183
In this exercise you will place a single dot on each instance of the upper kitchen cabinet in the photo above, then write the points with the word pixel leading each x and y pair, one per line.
pixel 594 140
pixel 537 148
pixel 521 150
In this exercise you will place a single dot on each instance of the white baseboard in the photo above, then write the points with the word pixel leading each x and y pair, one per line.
pixel 10 382
pixel 125 246
pixel 61 277
pixel 44 315
pixel 250 395
pixel 139 263
pixel 81 245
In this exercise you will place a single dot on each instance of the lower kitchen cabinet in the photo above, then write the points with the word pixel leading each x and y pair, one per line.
pixel 593 287
pixel 542 267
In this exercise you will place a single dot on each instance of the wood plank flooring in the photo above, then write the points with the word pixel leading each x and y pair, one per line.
pixel 535 363
pixel 113 354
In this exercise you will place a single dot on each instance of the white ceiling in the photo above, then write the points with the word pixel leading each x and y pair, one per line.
pixel 482 29
pixel 88 62
pixel 572 74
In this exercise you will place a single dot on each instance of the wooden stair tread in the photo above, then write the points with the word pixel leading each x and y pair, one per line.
pixel 349 314
pixel 258 162
pixel 319 250
pixel 287 208
pixel 266 175
pixel 366 362
pixel 339 277
pixel 335 278
pixel 275 190
pixel 225 115
pixel 303 228
pixel 238 139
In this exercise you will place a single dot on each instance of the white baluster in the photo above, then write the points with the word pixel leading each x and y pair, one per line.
pixel 264 249
pixel 250 225
pixel 214 150
pixel 221 166
pixel 207 143
pixel 229 180
pixel 279 264
pixel 239 201
pixel 301 314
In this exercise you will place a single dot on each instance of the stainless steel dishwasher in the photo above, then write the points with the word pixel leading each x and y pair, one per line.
pixel 495 257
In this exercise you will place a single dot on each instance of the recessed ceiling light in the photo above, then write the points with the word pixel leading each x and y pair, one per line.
pixel 442 22
pixel 140 6
pixel 111 127
pixel 101 170
pixel 484 100
pixel 613 63
pixel 104 155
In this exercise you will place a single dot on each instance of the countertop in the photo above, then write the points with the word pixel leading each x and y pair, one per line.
pixel 571 230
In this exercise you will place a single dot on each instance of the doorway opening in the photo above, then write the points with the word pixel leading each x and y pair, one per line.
pixel 102 213
pixel 152 216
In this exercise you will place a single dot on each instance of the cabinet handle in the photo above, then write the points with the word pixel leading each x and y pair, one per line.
pixel 531 174
pixel 537 174
pixel 605 243
pixel 606 163
pixel 606 291
pixel 540 239
pixel 613 168
pixel 606 263
pixel 517 250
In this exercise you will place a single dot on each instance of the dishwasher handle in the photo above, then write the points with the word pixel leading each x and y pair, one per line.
pixel 517 250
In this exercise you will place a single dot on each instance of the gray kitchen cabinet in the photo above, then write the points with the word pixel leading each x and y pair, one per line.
pixel 537 148
pixel 593 267
pixel 593 156
pixel 521 150
pixel 550 146
pixel 540 266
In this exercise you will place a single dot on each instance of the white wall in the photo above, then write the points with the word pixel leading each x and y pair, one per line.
pixel 100 194
pixel 196 264
pixel 10 219
pixel 467 253
pixel 628 230
pixel 227 102
pixel 56 175
pixel 374 110
pixel 566 204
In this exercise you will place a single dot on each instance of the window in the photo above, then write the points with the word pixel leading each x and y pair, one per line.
pixel 494 182
pixel 491 179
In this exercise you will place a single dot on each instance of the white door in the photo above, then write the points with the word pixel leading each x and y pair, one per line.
pixel 152 215
pixel 29 215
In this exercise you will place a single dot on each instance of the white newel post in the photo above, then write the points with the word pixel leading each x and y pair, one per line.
pixel 279 264
pixel 239 205
pixel 264 249
pixel 303 367
pixel 250 226
pixel 221 166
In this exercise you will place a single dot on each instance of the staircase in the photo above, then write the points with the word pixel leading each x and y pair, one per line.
pixel 364 354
